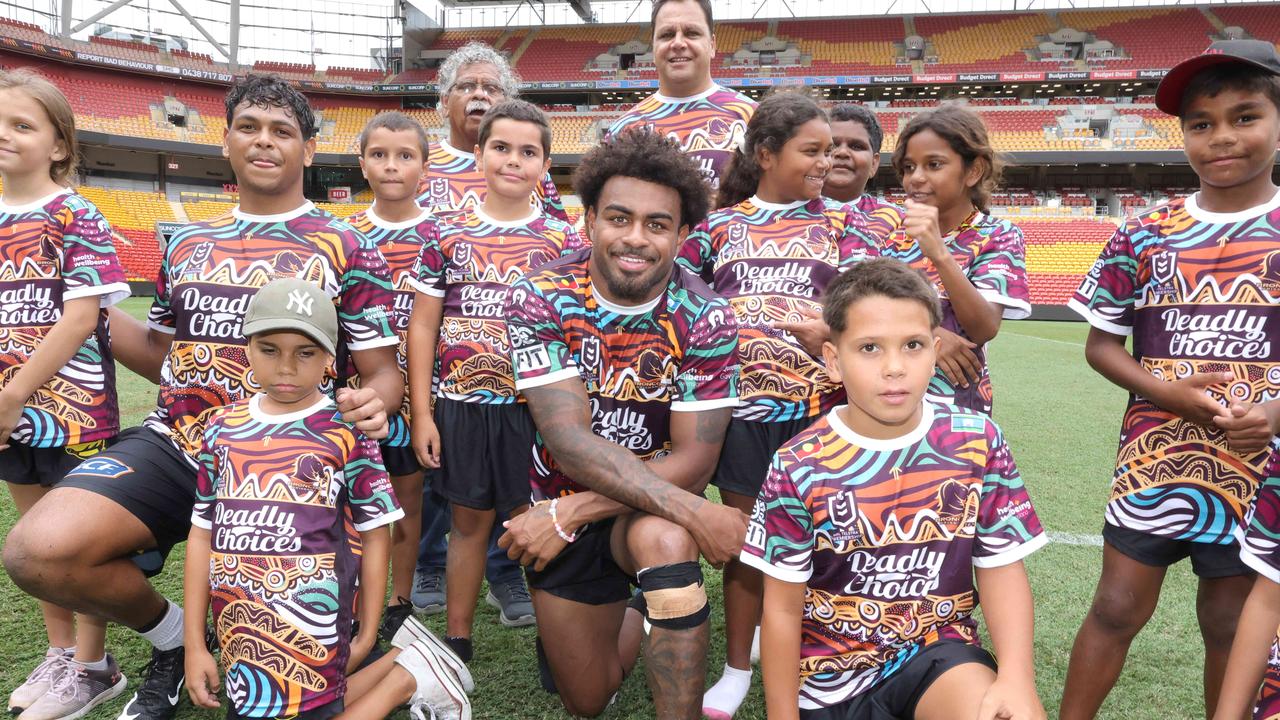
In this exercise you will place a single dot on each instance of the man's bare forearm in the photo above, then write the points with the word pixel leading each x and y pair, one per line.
pixel 604 467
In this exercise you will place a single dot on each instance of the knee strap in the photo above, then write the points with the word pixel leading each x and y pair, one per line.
pixel 674 595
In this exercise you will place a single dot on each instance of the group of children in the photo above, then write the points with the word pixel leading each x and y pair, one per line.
pixel 883 499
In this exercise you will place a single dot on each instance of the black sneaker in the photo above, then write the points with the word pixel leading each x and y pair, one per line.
pixel 161 689
pixel 392 618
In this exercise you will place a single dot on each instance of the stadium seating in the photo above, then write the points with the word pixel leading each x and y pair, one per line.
pixel 1182 33
pixel 982 43
pixel 559 53
pixel 1059 253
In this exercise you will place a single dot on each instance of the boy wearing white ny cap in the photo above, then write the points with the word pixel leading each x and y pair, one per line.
pixel 279 474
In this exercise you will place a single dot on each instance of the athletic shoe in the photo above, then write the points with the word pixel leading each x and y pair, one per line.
pixel 438 694
pixel 38 682
pixel 428 591
pixel 77 691
pixel 392 618
pixel 515 607
pixel 413 631
pixel 157 697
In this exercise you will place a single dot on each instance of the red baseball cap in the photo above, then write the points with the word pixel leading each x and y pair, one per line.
pixel 1256 53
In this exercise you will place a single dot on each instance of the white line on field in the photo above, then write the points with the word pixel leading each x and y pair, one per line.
pixel 1067 538
pixel 1045 339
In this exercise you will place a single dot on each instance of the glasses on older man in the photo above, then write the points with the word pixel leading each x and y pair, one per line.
pixel 468 88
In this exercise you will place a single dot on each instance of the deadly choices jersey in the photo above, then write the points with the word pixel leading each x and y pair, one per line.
pixel 210 271
pixel 275 492
pixel 1199 292
pixel 638 364
pixel 772 261
pixel 885 534
pixel 52 250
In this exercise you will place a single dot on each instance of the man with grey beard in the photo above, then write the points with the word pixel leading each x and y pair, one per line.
pixel 472 79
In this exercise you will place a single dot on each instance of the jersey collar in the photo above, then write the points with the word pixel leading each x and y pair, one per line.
pixel 1205 216
pixel 378 222
pixel 916 435
pixel 34 204
pixel 306 207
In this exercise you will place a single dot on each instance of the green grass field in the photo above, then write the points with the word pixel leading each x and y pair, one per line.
pixel 1061 420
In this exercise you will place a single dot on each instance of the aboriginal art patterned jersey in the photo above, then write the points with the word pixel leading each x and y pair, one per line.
pixel 708 126
pixel 885 535
pixel 453 182
pixel 1199 292
pixel 56 249
pixel 638 363
pixel 879 218
pixel 772 262
pixel 993 255
pixel 210 271
pixel 401 244
pixel 1260 550
pixel 275 493
pixel 481 259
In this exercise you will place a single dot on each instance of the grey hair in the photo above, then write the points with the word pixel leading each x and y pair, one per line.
pixel 473 53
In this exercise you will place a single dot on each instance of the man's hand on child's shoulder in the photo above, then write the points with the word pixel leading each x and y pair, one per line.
pixel 363 408
pixel 1010 699
pixel 202 681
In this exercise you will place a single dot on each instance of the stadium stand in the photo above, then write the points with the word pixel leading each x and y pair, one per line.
pixel 983 43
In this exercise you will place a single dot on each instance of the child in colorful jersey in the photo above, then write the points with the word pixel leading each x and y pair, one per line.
pixel 393 151
pixel 874 524
pixel 471 80
pixel 58 270
pixel 281 474
pixel 481 428
pixel 856 136
pixel 93 539
pixel 1196 282
pixel 977 262
pixel 771 251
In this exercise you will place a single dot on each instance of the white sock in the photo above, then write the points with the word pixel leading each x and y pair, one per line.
pixel 728 693
pixel 100 664
pixel 167 634
pixel 755 647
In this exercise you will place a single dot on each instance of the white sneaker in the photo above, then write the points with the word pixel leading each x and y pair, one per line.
pixel 412 630
pixel 76 691
pixel 438 694
pixel 38 682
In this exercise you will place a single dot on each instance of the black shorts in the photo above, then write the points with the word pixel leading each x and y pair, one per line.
pixel 25 465
pixel 896 697
pixel 1207 559
pixel 145 474
pixel 748 449
pixel 585 571
pixel 486 454
pixel 399 460
pixel 324 712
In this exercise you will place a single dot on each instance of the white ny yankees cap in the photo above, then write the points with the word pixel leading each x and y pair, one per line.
pixel 293 304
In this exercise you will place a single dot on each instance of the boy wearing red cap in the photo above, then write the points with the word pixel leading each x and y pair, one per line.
pixel 1196 282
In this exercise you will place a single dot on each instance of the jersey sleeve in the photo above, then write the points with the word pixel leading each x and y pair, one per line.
pixel 160 317
pixel 539 349
pixel 428 270
pixel 365 297
pixel 373 501
pixel 857 242
pixel 697 254
pixel 1260 535
pixel 1008 527
pixel 206 477
pixel 780 534
pixel 999 272
pixel 1107 294
pixel 551 202
pixel 90 267
pixel 708 377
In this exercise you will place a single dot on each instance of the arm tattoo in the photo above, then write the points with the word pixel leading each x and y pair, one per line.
pixel 711 426
pixel 560 412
